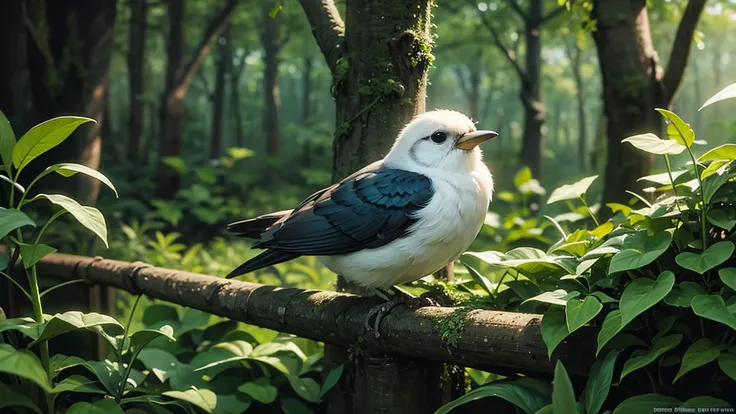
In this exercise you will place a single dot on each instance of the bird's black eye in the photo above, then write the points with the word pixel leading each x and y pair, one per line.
pixel 438 137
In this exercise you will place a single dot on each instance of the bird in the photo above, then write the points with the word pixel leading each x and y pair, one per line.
pixel 394 221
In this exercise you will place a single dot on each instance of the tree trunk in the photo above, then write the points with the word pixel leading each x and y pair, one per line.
pixel 634 84
pixel 575 55
pixel 224 62
pixel 237 73
pixel 136 56
pixel 272 100
pixel 308 63
pixel 531 96
pixel 69 58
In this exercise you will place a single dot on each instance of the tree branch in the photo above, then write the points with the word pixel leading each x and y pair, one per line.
pixel 551 15
pixel 681 49
pixel 517 8
pixel 510 55
pixel 461 81
pixel 214 28
pixel 328 29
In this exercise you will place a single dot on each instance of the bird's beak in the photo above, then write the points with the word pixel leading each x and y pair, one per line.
pixel 473 139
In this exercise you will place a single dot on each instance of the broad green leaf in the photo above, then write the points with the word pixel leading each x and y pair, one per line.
pixel 306 388
pixel 646 403
pixel 554 328
pixel 294 406
pixel 522 177
pixel 218 354
pixel 661 346
pixel 652 144
pixel 23 364
pixel 682 295
pixel 59 362
pixel 571 191
pixel 11 398
pixel 724 152
pixel 705 402
pixel 662 178
pixel 7 141
pixel 78 383
pixel 563 395
pixel 69 169
pixel 556 297
pixel 481 280
pixel 11 219
pixel 677 129
pixel 108 372
pixel 176 163
pixel 718 179
pixel 30 254
pixel 528 261
pixel 579 312
pixel 611 326
pixel 599 383
pixel 528 394
pixel 62 323
pixel 104 406
pixel 43 137
pixel 702 352
pixel 713 168
pixel 167 368
pixel 26 326
pixel 725 93
pixel 725 219
pixel 727 363
pixel 603 297
pixel 89 217
pixel 202 398
pixel 714 308
pixel 728 277
pixel 260 390
pixel 643 293
pixel 710 258
pixel 331 380
pixel 640 249
pixel 9 181
pixel 140 339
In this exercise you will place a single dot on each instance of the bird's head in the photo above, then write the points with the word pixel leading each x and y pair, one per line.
pixel 441 139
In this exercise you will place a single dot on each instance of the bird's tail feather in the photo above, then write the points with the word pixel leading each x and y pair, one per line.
pixel 253 228
pixel 267 258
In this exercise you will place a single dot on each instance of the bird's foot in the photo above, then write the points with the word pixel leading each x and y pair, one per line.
pixel 400 297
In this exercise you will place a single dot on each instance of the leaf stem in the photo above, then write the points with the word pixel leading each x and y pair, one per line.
pixel 25 292
pixel 704 207
pixel 595 220
pixel 500 282
pixel 60 285
pixel 672 180
pixel 43 346
pixel 48 222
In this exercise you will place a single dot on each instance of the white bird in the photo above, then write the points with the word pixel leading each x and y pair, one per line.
pixel 396 220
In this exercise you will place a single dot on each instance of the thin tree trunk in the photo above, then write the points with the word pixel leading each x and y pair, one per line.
pixel 534 109
pixel 307 110
pixel 634 84
pixel 136 56
pixel 224 62
pixel 237 74
pixel 272 100
pixel 80 33
pixel 575 55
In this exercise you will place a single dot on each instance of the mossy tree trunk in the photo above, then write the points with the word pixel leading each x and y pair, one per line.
pixel 379 61
pixel 634 84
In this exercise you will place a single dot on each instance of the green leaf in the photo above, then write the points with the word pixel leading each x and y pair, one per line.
pixel 725 219
pixel 640 249
pixel 528 261
pixel 78 383
pixel 662 178
pixel 661 346
pixel 59 362
pixel 140 339
pixel 702 352
pixel 682 295
pixel 11 219
pixel 710 258
pixel 677 129
pixel 294 406
pixel 554 328
pixel 260 390
pixel 177 163
pixel 727 363
pixel 652 144
pixel 522 177
pixel 571 191
pixel 714 308
pixel 23 364
pixel 104 406
pixel 7 141
pixel 579 312
pixel 481 280
pixel 43 137
pixel 26 326
pixel 306 387
pixel 646 403
pixel 604 298
pixel 705 402
pixel 728 277
pixel 62 323
pixel 31 253
pixel 331 380
pixel 563 395
pixel 202 398
pixel 643 293
pixel 556 297
pixel 611 326
pixel 275 10
pixel 69 169
pixel 529 394
pixel 725 93
pixel 89 217
pixel 11 398
pixel 599 383
pixel 724 152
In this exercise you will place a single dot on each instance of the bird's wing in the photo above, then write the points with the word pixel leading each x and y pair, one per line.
pixel 366 210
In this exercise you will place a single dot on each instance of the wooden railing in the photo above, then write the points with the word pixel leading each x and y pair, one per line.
pixel 500 342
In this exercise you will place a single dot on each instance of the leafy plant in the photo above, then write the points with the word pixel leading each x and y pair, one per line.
pixel 656 282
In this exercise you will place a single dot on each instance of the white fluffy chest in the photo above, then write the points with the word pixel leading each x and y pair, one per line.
pixel 444 229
